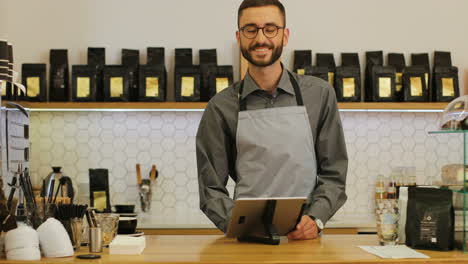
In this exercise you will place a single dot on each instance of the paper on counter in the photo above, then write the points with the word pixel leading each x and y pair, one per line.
pixel 393 252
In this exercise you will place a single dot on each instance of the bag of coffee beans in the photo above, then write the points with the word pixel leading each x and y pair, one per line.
pixel 442 59
pixel 155 56
pixel 152 83
pixel 373 58
pixel 208 68
pixel 348 84
pixel 187 81
pixel 131 59
pixel 208 57
pixel 153 77
pixel 33 77
pixel 397 60
pixel 383 84
pixel 221 79
pixel 446 84
pixel 183 57
pixel 97 58
pixel 414 84
pixel 348 79
pixel 84 82
pixel 430 219
pixel 422 59
pixel 350 59
pixel 116 83
pixel 327 60
pixel 302 59
pixel 59 87
pixel 445 78
pixel 99 190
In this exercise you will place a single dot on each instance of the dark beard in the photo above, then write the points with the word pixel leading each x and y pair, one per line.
pixel 277 52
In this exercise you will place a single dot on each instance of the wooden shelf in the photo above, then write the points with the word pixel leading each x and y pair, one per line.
pixel 112 105
pixel 393 106
pixel 201 106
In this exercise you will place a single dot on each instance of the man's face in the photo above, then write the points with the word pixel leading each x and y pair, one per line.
pixel 262 51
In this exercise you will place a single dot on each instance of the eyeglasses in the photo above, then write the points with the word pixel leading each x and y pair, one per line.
pixel 251 31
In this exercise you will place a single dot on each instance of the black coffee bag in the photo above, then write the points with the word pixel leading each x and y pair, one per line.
pixel 84 83
pixel 131 59
pixel 327 60
pixel 348 84
pixel 221 78
pixel 208 68
pixel 422 59
pixel 446 86
pixel 152 83
pixel 33 77
pixel 350 59
pixel 373 58
pixel 99 190
pixel 183 57
pixel 445 78
pixel 59 87
pixel 116 83
pixel 302 59
pixel 430 219
pixel 397 60
pixel 187 83
pixel 155 56
pixel 153 77
pixel 414 84
pixel 383 84
pixel 208 57
pixel 442 59
pixel 97 58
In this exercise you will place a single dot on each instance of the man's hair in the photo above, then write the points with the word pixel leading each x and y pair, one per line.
pixel 259 3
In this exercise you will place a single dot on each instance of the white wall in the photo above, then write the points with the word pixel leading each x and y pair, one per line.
pixel 323 26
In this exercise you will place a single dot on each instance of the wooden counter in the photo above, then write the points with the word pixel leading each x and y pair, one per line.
pixel 217 249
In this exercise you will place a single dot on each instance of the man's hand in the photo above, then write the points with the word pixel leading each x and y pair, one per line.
pixel 306 229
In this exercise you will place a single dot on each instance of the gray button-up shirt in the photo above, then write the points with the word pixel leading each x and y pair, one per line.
pixel 216 144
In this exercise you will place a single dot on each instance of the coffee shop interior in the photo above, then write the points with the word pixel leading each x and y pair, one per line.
pixel 102 100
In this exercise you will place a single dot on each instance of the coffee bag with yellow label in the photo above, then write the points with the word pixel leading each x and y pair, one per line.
pixel 302 59
pixel 116 83
pixel 84 82
pixel 33 76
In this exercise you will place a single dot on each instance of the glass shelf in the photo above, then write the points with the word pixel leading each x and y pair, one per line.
pixel 463 186
pixel 448 132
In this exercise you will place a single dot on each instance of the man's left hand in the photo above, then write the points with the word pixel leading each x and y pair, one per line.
pixel 306 229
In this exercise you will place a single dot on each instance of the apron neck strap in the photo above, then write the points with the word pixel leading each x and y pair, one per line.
pixel 297 91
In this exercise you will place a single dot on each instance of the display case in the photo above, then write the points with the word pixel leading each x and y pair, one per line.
pixel 454 177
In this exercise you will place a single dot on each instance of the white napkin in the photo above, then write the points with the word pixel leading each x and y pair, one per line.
pixel 124 245
pixel 54 239
pixel 22 243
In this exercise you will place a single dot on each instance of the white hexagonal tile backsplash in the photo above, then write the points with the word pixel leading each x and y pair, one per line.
pixel 77 141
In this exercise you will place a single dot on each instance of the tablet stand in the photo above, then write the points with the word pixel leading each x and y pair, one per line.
pixel 271 235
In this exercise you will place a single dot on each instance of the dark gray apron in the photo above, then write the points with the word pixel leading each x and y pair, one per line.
pixel 275 151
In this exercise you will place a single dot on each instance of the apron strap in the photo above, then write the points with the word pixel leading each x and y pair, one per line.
pixel 297 91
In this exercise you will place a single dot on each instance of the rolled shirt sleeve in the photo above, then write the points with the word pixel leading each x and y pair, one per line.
pixel 332 162
pixel 213 148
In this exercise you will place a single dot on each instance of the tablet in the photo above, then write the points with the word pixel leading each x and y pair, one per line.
pixel 247 215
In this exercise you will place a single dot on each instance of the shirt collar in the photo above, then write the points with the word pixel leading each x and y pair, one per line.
pixel 284 84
